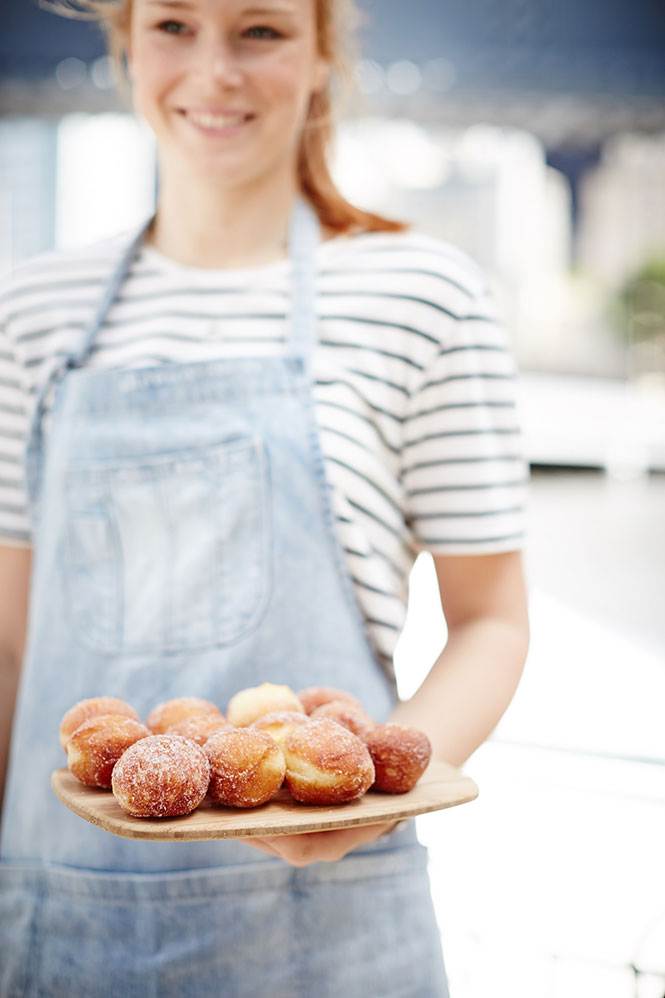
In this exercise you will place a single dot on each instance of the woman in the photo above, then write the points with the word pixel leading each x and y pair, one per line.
pixel 240 425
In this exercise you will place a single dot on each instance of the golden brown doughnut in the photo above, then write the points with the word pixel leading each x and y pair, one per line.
pixel 278 723
pixel 326 763
pixel 315 696
pixel 350 715
pixel 92 707
pixel 400 754
pixel 249 704
pixel 246 767
pixel 165 714
pixel 97 744
pixel 161 776
pixel 199 727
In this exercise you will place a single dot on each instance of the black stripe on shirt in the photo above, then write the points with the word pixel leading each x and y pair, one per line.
pixel 372 589
pixel 373 485
pixel 354 440
pixel 466 377
pixel 420 465
pixel 518 483
pixel 486 431
pixel 390 296
pixel 433 541
pixel 417 517
pixel 483 404
pixel 382 623
pixel 358 272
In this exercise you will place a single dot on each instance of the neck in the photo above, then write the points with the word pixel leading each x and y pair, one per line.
pixel 200 225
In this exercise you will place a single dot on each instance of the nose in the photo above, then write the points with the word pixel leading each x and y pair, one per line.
pixel 219 63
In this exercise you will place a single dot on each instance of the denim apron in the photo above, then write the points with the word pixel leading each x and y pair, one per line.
pixel 185 545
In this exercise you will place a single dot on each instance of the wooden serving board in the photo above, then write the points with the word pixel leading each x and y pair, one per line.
pixel 439 787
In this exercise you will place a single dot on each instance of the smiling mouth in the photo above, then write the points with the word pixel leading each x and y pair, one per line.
pixel 218 122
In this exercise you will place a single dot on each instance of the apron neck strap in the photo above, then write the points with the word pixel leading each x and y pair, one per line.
pixel 304 238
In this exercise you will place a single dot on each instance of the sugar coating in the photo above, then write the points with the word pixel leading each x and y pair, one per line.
pixel 315 696
pixel 246 767
pixel 170 712
pixel 400 754
pixel 161 776
pixel 249 704
pixel 92 707
pixel 97 744
pixel 326 763
pixel 199 727
pixel 350 715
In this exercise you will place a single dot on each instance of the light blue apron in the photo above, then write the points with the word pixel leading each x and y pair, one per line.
pixel 185 546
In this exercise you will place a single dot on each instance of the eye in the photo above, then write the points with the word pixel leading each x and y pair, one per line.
pixel 171 27
pixel 261 31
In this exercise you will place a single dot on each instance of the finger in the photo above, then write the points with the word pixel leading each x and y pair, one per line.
pixel 324 847
pixel 264 845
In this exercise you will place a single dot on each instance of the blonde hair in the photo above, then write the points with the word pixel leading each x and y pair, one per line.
pixel 336 21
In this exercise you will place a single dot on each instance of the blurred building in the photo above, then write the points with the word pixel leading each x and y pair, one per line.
pixel 500 127
pixel 486 189
pixel 623 215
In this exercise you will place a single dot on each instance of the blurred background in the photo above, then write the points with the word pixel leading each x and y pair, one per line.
pixel 533 136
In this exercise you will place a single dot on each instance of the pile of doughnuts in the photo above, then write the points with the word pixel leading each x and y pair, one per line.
pixel 319 743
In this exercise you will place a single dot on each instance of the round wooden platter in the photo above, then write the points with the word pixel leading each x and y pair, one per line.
pixel 439 787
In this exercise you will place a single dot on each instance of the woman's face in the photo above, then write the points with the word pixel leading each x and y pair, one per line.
pixel 225 84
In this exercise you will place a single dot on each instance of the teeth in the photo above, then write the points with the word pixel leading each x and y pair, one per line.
pixel 215 120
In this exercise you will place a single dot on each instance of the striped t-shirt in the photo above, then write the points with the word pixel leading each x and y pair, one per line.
pixel 414 386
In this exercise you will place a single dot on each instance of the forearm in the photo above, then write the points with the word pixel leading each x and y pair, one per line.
pixel 469 687
pixel 9 678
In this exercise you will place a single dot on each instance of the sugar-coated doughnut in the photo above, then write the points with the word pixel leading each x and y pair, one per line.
pixel 350 715
pixel 199 727
pixel 92 707
pixel 246 767
pixel 278 723
pixel 161 776
pixel 165 714
pixel 315 696
pixel 97 744
pixel 400 755
pixel 249 704
pixel 326 763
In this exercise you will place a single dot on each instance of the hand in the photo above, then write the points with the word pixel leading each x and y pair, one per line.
pixel 318 847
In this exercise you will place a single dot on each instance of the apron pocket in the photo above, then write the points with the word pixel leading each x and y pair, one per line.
pixel 168 552
pixel 362 927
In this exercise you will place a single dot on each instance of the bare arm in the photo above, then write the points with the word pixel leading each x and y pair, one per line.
pixel 473 681
pixel 15 567
pixel 467 690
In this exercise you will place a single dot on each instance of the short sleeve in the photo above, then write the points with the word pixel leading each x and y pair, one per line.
pixel 14 520
pixel 463 471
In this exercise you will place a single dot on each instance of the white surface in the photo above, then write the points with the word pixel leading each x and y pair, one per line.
pixel 594 422
pixel 552 883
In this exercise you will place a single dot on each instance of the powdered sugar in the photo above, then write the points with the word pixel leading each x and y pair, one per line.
pixel 160 776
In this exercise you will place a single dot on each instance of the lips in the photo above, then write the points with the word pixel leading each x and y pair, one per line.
pixel 216 120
